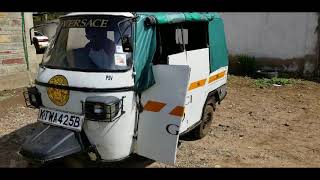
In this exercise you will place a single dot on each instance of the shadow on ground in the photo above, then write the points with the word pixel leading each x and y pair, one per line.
pixel 10 145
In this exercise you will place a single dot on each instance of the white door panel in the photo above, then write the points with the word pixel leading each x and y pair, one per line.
pixel 159 123
pixel 178 59
pixel 198 60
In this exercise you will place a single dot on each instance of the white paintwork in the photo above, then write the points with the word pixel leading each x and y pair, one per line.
pixel 89 79
pixel 154 141
pixel 198 60
pixel 113 140
pixel 125 14
pixel 83 79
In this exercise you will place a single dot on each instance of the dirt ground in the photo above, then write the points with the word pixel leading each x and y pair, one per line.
pixel 253 127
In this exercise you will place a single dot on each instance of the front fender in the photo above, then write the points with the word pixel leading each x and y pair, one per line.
pixel 49 143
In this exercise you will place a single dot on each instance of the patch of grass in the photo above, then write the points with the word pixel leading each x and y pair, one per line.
pixel 264 82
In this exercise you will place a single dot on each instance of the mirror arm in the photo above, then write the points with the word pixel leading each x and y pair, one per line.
pixel 31 41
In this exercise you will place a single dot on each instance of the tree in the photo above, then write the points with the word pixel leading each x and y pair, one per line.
pixel 39 17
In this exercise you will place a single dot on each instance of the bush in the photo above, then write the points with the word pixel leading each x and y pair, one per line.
pixel 247 64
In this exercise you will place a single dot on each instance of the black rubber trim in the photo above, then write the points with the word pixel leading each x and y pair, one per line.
pixel 189 129
pixel 85 89
pixel 85 70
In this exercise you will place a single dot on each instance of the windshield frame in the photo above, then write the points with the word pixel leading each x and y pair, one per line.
pixel 59 30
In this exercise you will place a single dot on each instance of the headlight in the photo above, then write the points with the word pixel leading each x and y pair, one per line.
pixel 98 109
pixel 32 97
pixel 103 108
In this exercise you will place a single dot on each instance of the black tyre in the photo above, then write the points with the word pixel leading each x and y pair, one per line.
pixel 73 162
pixel 34 165
pixel 206 120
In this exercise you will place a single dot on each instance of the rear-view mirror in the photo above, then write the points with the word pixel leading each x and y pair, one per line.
pixel 126 43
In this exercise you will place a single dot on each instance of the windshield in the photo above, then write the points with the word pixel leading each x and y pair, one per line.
pixel 89 43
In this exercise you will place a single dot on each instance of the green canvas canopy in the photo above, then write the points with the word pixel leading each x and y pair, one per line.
pixel 145 42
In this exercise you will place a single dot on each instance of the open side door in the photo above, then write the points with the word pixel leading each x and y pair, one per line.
pixel 159 123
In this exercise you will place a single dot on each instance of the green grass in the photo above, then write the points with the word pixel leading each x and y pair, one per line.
pixel 264 82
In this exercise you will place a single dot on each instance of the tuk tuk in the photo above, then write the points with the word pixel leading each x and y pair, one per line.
pixel 115 84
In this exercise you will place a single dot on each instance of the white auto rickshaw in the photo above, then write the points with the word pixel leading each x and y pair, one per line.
pixel 115 84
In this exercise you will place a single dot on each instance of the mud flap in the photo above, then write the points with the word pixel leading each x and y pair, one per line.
pixel 49 143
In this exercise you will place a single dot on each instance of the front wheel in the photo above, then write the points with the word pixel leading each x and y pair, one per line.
pixel 204 127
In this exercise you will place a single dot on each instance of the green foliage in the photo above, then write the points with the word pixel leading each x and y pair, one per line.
pixel 264 82
pixel 247 64
pixel 38 19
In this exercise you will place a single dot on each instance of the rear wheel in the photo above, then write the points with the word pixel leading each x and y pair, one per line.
pixel 207 117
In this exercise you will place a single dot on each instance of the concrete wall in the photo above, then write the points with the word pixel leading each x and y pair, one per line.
pixel 34 61
pixel 285 41
pixel 13 61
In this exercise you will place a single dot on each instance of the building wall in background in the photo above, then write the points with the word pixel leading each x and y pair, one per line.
pixel 13 61
pixel 283 41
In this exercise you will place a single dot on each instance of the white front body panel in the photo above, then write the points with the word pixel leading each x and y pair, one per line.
pixel 90 79
pixel 159 123
pixel 113 140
